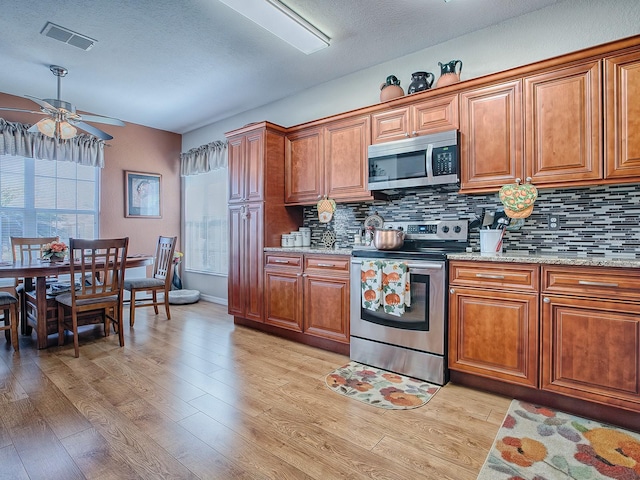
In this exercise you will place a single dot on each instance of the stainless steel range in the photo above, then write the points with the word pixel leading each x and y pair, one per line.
pixel 415 342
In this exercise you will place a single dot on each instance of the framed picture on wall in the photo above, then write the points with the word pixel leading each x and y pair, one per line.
pixel 142 195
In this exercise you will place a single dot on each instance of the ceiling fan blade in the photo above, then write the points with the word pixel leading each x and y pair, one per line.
pixel 92 130
pixel 42 103
pixel 99 119
pixel 20 110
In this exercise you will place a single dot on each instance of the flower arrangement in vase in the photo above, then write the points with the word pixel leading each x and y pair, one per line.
pixel 54 251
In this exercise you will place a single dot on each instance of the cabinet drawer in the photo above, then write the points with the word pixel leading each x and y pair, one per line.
pixel 522 277
pixel 326 264
pixel 279 260
pixel 614 283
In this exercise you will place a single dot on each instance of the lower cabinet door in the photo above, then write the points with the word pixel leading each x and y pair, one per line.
pixel 326 307
pixel 591 349
pixel 283 295
pixel 494 334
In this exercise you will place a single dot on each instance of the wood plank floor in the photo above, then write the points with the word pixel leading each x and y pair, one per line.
pixel 198 397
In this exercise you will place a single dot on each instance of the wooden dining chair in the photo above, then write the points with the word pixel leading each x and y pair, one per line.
pixel 28 250
pixel 100 266
pixel 159 281
pixel 9 308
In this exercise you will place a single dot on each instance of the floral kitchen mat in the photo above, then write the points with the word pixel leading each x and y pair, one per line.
pixel 380 388
pixel 543 444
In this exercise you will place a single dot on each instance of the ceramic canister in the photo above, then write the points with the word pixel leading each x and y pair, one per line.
pixel 297 239
pixel 306 236
pixel 287 240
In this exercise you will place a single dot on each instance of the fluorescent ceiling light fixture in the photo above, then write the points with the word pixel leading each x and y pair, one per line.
pixel 283 22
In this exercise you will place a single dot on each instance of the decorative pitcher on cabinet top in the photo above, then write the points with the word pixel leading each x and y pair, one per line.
pixel 448 74
pixel 421 81
pixel 390 89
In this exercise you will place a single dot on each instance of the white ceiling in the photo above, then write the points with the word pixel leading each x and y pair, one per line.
pixel 177 65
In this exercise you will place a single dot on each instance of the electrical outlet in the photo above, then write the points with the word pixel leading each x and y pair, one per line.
pixel 553 221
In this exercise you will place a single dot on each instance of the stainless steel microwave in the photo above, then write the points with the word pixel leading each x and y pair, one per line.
pixel 415 162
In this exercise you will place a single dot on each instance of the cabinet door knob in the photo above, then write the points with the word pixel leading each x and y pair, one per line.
pixel 452 291
pixel 414 133
pixel 546 300
pixel 406 134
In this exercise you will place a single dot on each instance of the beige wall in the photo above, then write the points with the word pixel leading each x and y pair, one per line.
pixel 135 148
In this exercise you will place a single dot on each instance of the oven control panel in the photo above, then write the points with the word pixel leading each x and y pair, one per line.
pixel 433 230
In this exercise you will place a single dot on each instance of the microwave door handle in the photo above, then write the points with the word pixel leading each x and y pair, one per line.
pixel 428 161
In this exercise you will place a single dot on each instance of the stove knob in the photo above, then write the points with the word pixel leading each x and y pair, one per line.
pixel 445 229
pixel 457 229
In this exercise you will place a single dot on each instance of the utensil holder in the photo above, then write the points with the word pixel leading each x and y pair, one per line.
pixel 491 241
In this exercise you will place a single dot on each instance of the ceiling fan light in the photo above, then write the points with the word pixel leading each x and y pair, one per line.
pixel 66 130
pixel 47 126
pixel 54 129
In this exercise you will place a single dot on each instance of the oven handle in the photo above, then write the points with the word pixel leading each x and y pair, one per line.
pixel 417 266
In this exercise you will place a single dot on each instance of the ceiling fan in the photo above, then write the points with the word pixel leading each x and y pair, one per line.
pixel 62 118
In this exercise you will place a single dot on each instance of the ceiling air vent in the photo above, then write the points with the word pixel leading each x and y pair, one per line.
pixel 67 36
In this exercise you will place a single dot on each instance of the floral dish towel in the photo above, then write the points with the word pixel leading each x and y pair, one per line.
pixel 385 285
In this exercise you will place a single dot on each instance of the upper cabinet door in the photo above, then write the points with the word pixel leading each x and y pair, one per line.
pixel 390 125
pixel 491 136
pixel 254 174
pixel 429 116
pixel 236 149
pixel 563 116
pixel 246 167
pixel 346 158
pixel 304 166
pixel 435 115
pixel 622 120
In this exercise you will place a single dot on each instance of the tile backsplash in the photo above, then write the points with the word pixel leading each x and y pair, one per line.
pixel 595 221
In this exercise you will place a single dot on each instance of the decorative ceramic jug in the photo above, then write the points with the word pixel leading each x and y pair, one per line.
pixel 390 89
pixel 448 74
pixel 420 81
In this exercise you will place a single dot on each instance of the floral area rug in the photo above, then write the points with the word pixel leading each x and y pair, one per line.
pixel 537 443
pixel 380 388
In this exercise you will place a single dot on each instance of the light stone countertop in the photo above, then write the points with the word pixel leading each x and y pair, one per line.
pixel 549 259
pixel 505 257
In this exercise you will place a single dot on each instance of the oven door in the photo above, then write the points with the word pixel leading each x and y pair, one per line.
pixel 422 326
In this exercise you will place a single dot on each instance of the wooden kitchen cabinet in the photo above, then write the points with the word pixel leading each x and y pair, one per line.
pixel 257 213
pixel 430 116
pixel 493 321
pixel 328 160
pixel 245 288
pixel 304 157
pixel 326 297
pixel 311 298
pixel 283 291
pixel 491 136
pixel 346 173
pixel 563 115
pixel 591 334
pixel 246 166
pixel 622 115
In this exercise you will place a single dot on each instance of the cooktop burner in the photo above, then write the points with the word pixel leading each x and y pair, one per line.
pixel 425 240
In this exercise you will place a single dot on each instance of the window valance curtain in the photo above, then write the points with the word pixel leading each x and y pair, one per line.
pixel 15 139
pixel 205 158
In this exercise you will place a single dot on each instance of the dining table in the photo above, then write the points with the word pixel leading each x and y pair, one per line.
pixel 39 270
